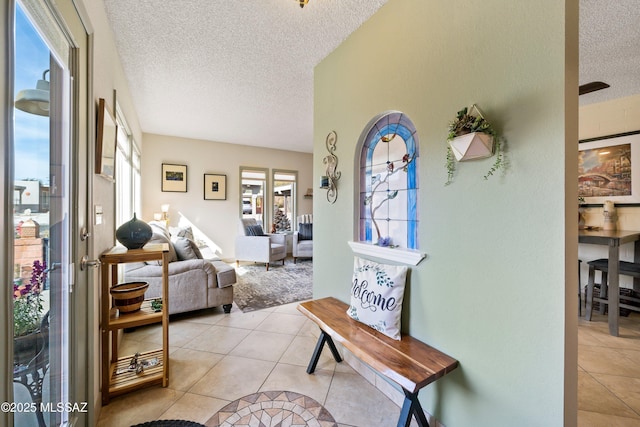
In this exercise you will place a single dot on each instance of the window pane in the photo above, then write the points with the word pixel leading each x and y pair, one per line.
pixel 388 182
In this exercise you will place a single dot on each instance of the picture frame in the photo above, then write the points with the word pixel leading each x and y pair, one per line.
pixel 106 137
pixel 215 187
pixel 609 169
pixel 174 178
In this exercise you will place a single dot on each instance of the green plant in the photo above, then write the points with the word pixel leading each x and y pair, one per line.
pixel 465 123
pixel 500 161
pixel 27 301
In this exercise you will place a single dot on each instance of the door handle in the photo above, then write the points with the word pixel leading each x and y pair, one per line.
pixel 53 266
pixel 85 263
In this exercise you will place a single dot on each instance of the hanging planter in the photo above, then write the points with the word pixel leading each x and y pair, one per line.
pixel 471 137
pixel 474 145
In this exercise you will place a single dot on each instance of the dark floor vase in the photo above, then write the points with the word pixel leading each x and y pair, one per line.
pixel 134 234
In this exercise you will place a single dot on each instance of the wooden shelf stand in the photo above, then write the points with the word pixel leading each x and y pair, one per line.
pixel 116 377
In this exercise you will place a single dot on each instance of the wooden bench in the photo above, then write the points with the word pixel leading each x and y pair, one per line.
pixel 409 363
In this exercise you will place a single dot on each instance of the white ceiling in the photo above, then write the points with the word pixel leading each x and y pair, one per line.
pixel 242 71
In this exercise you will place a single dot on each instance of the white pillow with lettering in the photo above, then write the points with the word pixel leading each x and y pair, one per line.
pixel 377 291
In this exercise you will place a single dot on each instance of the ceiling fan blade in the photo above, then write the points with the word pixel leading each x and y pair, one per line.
pixel 591 87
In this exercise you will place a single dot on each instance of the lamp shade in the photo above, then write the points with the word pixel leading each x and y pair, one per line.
pixel 35 101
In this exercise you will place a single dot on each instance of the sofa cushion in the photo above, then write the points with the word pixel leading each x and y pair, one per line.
pixel 305 231
pixel 182 232
pixel 255 230
pixel 186 249
pixel 376 295
pixel 160 235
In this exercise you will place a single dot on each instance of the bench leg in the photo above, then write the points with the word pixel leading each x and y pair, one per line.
pixel 324 338
pixel 411 406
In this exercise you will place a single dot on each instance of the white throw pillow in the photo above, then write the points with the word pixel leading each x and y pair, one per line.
pixel 377 291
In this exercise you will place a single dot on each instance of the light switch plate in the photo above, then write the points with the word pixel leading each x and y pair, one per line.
pixel 98 214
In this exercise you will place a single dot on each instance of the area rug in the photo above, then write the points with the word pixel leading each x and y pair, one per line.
pixel 273 409
pixel 257 288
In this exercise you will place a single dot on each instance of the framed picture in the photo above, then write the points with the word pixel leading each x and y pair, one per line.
pixel 215 187
pixel 106 134
pixel 174 178
pixel 609 169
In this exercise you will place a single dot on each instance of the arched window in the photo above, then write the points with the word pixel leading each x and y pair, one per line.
pixel 389 182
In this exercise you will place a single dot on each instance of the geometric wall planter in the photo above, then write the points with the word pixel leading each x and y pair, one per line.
pixel 471 146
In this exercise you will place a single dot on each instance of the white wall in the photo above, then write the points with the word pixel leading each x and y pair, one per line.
pixel 491 292
pixel 218 219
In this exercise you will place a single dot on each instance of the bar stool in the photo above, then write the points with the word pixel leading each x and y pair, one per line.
pixel 625 269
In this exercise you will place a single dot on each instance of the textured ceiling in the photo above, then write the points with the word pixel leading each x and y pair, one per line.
pixel 610 47
pixel 230 71
pixel 242 71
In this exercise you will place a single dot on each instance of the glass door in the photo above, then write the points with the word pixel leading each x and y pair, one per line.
pixel 43 218
pixel 253 188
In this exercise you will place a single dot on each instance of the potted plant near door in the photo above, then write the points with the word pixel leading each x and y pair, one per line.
pixel 29 333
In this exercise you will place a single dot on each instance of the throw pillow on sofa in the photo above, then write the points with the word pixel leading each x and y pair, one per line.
pixel 182 232
pixel 160 235
pixel 305 231
pixel 376 295
pixel 255 230
pixel 186 249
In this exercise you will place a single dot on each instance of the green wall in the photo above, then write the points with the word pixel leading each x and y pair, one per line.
pixel 491 292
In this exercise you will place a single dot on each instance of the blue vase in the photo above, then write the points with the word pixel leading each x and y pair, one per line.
pixel 134 234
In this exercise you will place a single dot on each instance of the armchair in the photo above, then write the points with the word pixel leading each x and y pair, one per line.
pixel 302 246
pixel 253 245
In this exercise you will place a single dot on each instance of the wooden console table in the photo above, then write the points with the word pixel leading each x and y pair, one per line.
pixel 116 378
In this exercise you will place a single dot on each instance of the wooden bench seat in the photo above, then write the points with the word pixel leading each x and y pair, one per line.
pixel 408 362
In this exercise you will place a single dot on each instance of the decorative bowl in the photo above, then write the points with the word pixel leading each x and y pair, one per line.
pixel 128 297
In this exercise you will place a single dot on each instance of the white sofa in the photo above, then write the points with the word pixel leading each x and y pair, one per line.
pixel 194 283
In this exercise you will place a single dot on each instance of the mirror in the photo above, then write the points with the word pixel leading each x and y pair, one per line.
pixel 106 141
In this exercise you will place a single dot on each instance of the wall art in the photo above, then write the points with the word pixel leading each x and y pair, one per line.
pixel 174 178
pixel 609 169
pixel 215 187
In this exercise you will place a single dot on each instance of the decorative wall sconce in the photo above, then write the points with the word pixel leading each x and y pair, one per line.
pixel 329 181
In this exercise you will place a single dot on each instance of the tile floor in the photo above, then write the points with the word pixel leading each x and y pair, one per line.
pixel 609 373
pixel 218 358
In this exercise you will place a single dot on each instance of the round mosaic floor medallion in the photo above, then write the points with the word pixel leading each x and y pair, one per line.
pixel 273 409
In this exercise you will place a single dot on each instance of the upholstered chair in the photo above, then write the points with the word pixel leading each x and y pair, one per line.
pixel 302 246
pixel 252 244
